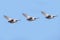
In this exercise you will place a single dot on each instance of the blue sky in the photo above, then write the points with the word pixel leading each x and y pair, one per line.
pixel 41 29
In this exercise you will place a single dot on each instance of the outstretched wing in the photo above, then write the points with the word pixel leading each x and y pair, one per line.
pixel 8 18
pixel 45 14
pixel 26 15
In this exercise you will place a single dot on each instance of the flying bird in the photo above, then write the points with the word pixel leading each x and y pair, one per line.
pixel 11 20
pixel 29 18
pixel 48 16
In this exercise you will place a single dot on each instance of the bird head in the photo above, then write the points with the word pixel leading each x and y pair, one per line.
pixel 54 16
pixel 17 20
pixel 36 18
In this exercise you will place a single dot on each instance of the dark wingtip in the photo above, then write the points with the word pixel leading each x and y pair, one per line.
pixel 42 11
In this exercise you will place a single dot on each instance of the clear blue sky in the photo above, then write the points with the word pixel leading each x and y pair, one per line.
pixel 41 29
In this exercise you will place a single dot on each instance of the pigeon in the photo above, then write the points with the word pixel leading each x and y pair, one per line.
pixel 29 18
pixel 11 20
pixel 48 16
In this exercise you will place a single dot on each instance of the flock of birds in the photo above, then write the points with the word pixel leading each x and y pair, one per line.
pixel 29 18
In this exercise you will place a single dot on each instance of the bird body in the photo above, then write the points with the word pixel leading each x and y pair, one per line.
pixel 29 18
pixel 11 20
pixel 48 16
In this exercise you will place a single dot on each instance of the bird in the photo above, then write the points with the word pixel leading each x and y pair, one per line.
pixel 29 18
pixel 48 16
pixel 11 20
